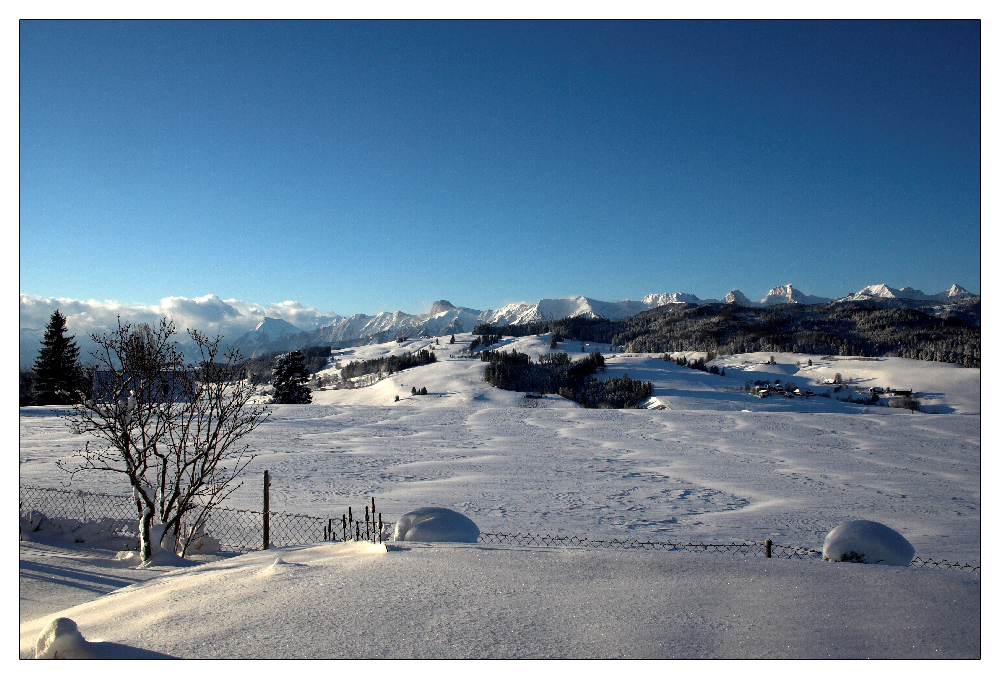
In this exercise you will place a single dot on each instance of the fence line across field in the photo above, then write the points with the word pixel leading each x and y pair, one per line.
pixel 238 530
pixel 241 530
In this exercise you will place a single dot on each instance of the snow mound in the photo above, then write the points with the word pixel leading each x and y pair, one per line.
pixel 61 640
pixel 282 566
pixel 101 533
pixel 160 556
pixel 435 524
pixel 867 542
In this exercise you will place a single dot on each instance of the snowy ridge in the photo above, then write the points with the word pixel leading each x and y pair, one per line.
pixel 883 291
pixel 445 318
pixel 274 333
pixel 657 300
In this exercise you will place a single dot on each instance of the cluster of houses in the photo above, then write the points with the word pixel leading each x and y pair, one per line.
pixel 777 389
pixel 888 391
pixel 789 390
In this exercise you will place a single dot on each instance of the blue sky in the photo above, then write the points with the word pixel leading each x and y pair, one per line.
pixel 361 167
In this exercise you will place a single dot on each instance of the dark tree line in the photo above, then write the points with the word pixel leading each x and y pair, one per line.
pixel 556 373
pixel 260 368
pixel 387 364
pixel 845 329
pixel 613 392
pixel 485 340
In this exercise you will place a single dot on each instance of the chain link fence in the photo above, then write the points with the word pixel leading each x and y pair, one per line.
pixel 766 549
pixel 237 530
pixel 242 530
pixel 745 548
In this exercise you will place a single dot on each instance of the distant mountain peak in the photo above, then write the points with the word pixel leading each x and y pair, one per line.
pixel 275 327
pixel 738 298
pixel 786 294
pixel 660 299
pixel 440 306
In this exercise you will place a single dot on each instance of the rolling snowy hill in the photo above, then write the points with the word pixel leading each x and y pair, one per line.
pixel 704 462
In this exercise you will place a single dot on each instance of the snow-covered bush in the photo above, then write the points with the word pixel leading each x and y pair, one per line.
pixel 200 542
pixel 867 542
pixel 904 402
pixel 435 524
pixel 159 556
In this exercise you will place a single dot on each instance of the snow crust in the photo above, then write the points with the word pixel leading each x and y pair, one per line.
pixel 415 600
pixel 435 524
pixel 867 542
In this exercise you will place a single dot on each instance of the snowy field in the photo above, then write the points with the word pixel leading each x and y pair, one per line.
pixel 705 463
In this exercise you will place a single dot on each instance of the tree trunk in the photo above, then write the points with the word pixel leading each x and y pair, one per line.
pixel 145 546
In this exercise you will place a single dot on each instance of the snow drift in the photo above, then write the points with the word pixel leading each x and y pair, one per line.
pixel 435 524
pixel 867 542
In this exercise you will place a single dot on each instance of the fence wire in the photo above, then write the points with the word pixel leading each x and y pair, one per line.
pixel 744 548
pixel 237 530
pixel 241 530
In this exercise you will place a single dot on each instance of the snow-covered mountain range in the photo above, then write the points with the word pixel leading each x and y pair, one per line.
pixel 274 333
pixel 445 318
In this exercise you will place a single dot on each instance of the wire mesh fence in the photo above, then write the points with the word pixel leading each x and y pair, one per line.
pixel 745 548
pixel 242 530
pixel 921 562
pixel 236 530
pixel 766 549
pixel 74 504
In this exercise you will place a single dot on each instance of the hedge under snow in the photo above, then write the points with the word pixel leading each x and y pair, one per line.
pixel 435 524
pixel 867 542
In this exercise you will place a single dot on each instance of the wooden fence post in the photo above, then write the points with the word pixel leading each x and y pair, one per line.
pixel 767 548
pixel 267 509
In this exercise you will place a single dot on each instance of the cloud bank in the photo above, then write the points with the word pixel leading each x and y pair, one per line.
pixel 209 314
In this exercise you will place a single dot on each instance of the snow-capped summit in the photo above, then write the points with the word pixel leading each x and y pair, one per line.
pixel 271 329
pixel 566 307
pixel 786 294
pixel 738 298
pixel 660 299
pixel 441 306
pixel 955 290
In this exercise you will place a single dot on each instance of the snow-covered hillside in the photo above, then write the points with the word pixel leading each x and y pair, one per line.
pixel 706 462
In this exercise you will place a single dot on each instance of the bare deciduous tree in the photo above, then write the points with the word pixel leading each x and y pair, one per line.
pixel 173 429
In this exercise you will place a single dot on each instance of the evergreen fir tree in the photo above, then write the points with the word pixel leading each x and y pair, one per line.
pixel 58 375
pixel 290 378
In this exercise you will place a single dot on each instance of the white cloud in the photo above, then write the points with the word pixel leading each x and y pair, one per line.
pixel 208 314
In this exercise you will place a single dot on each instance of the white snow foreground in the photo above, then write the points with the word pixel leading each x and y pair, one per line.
pixel 435 524
pixel 413 600
pixel 868 542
